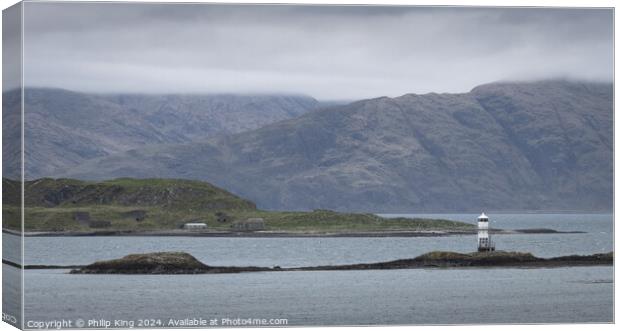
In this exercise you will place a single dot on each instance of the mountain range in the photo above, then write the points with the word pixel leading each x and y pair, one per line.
pixel 538 146
pixel 63 128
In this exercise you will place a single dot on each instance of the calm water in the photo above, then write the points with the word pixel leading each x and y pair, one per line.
pixel 320 251
pixel 579 294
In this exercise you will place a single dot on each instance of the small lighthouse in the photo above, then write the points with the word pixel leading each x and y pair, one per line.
pixel 484 239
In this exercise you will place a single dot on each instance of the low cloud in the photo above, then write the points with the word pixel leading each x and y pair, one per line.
pixel 329 52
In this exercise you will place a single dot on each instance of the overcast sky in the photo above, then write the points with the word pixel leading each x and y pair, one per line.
pixel 329 52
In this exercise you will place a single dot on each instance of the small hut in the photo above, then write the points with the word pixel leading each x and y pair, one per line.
pixel 250 224
pixel 195 226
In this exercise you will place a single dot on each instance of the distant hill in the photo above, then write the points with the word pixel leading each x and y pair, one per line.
pixel 64 128
pixel 504 146
pixel 137 205
pixel 120 204
pixel 172 194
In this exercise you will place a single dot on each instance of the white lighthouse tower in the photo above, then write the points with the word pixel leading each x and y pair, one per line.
pixel 484 239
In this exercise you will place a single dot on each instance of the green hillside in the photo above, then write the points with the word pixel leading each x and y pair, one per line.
pixel 60 204
pixel 166 204
pixel 171 194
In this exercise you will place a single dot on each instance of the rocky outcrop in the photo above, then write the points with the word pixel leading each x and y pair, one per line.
pixel 158 263
pixel 153 263
pixel 480 259
pixel 137 215
pixel 183 263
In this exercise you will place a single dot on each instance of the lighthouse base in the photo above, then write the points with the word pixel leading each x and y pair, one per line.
pixel 486 249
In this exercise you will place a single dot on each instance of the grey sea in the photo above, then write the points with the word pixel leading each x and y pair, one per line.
pixel 374 297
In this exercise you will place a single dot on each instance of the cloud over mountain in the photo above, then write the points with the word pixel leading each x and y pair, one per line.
pixel 507 146
pixel 329 52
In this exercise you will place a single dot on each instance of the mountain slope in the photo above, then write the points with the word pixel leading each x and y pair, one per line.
pixel 154 204
pixel 120 204
pixel 165 193
pixel 508 146
pixel 64 128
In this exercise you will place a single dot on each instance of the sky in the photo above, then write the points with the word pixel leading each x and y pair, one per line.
pixel 328 52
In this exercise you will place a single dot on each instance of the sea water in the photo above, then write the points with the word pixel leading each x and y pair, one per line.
pixel 437 296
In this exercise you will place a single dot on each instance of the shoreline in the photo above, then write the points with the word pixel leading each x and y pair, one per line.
pixel 278 234
pixel 176 263
pixel 540 265
pixel 179 263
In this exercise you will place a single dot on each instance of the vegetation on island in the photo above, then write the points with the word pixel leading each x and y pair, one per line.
pixel 183 263
pixel 125 204
pixel 158 263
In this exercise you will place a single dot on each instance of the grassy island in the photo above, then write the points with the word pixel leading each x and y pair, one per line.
pixel 183 263
pixel 142 205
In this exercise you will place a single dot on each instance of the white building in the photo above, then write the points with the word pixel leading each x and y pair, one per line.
pixel 484 239
pixel 195 226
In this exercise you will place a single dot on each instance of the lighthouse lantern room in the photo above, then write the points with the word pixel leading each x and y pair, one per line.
pixel 484 239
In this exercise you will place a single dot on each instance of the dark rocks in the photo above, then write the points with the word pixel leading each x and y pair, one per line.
pixel 543 231
pixel 494 258
pixel 137 215
pixel 222 217
pixel 183 263
pixel 99 224
pixel 481 259
pixel 82 217
pixel 152 263
pixel 158 263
